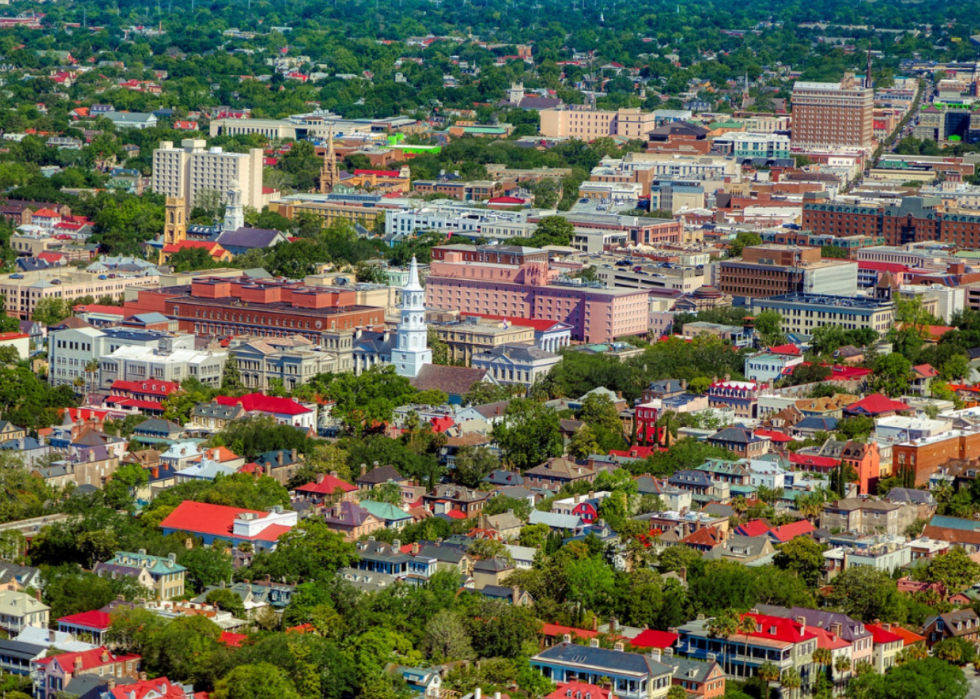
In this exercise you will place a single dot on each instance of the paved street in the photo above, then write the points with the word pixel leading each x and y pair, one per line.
pixel 974 679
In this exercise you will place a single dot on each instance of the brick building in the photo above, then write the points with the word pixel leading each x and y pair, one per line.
pixel 928 454
pixel 773 270
pixel 912 220
pixel 829 115
pixel 224 307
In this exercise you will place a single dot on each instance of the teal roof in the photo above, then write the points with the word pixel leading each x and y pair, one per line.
pixel 385 511
pixel 157 565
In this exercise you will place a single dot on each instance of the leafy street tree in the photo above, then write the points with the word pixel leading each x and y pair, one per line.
pixel 529 434
pixel 804 556
pixel 205 566
pixel 51 310
pixel 368 400
pixel 928 678
pixel 768 325
pixel 261 681
pixel 446 637
pixel 955 570
pixel 473 464
pixel 866 594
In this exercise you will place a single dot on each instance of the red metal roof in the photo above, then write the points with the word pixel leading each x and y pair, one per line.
pixel 774 436
pixel 876 404
pixel 327 486
pixel 882 635
pixel 578 690
pixel 791 531
pixel 123 402
pixel 559 630
pixel 814 461
pixel 259 402
pixel 539 324
pixel 90 659
pixel 98 308
pixel 651 638
pixel 90 620
pixel 232 640
pixel 779 629
pixel 785 349
pixel 883 266
pixel 155 388
pixel 756 527
pixel 379 173
pixel 216 520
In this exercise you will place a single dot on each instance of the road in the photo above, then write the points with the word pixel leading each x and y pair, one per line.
pixel 974 680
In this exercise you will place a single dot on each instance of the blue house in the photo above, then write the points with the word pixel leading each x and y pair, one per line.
pixel 378 557
pixel 633 676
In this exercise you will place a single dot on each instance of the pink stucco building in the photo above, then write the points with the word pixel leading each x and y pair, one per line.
pixel 530 288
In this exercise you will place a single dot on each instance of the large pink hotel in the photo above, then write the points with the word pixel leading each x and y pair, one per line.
pixel 506 280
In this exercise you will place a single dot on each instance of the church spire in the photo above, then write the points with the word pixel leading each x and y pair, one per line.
pixel 329 171
pixel 412 349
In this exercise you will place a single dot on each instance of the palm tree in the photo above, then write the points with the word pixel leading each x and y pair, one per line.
pixel 768 672
pixel 842 665
pixel 791 681
pixel 723 626
pixel 739 505
pixel 746 626
pixel 823 657
pixel 90 369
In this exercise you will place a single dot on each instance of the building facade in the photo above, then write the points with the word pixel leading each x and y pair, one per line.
pixel 801 313
pixel 833 115
pixel 193 168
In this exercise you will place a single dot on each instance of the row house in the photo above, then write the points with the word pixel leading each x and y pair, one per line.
pixel 786 643
pixel 52 675
pixel 740 396
pixel 630 675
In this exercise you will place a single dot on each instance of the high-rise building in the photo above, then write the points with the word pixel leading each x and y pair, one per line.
pixel 193 168
pixel 412 350
pixel 833 115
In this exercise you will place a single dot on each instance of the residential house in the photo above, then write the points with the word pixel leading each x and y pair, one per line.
pixel 158 429
pixel 230 524
pixel 19 610
pixel 52 674
pixel 279 465
pixel 506 525
pixel 92 625
pixel 423 682
pixel 389 559
pixel 701 680
pixel 630 675
pixel 743 549
pixel 557 472
pixel 326 488
pixel 379 475
pixel 962 623
pixel 16 657
pixel 491 571
pixel 867 516
pixel 449 498
pixel 740 396
pixel 392 517
pixel 166 575
pixel 786 643
pixel 9 431
pixel 887 646
pixel 741 442
pixel 214 417
pixel 351 520
pixel 585 507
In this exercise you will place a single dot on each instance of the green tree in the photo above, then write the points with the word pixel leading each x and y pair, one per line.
pixel 955 570
pixel 867 594
pixel 892 372
pixel 928 678
pixel 803 556
pixel 742 240
pixel 205 566
pixel 553 230
pixel 310 551
pixel 768 325
pixel 583 443
pixel 261 681
pixel 529 433
pixel 231 378
pixel 225 599
pixel 364 401
pixel 51 310
pixel 473 464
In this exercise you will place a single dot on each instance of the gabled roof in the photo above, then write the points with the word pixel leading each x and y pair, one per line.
pixel 791 531
pixel 380 475
pixel 326 486
pixel 876 404
pixel 451 380
pixel 216 520
pixel 259 402
pixel 604 658
pixel 651 638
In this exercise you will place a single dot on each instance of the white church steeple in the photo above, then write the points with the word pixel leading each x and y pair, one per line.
pixel 234 211
pixel 412 350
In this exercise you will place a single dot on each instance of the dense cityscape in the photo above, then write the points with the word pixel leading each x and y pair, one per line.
pixel 489 350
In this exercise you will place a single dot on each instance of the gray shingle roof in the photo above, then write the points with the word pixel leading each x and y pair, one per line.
pixel 616 661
